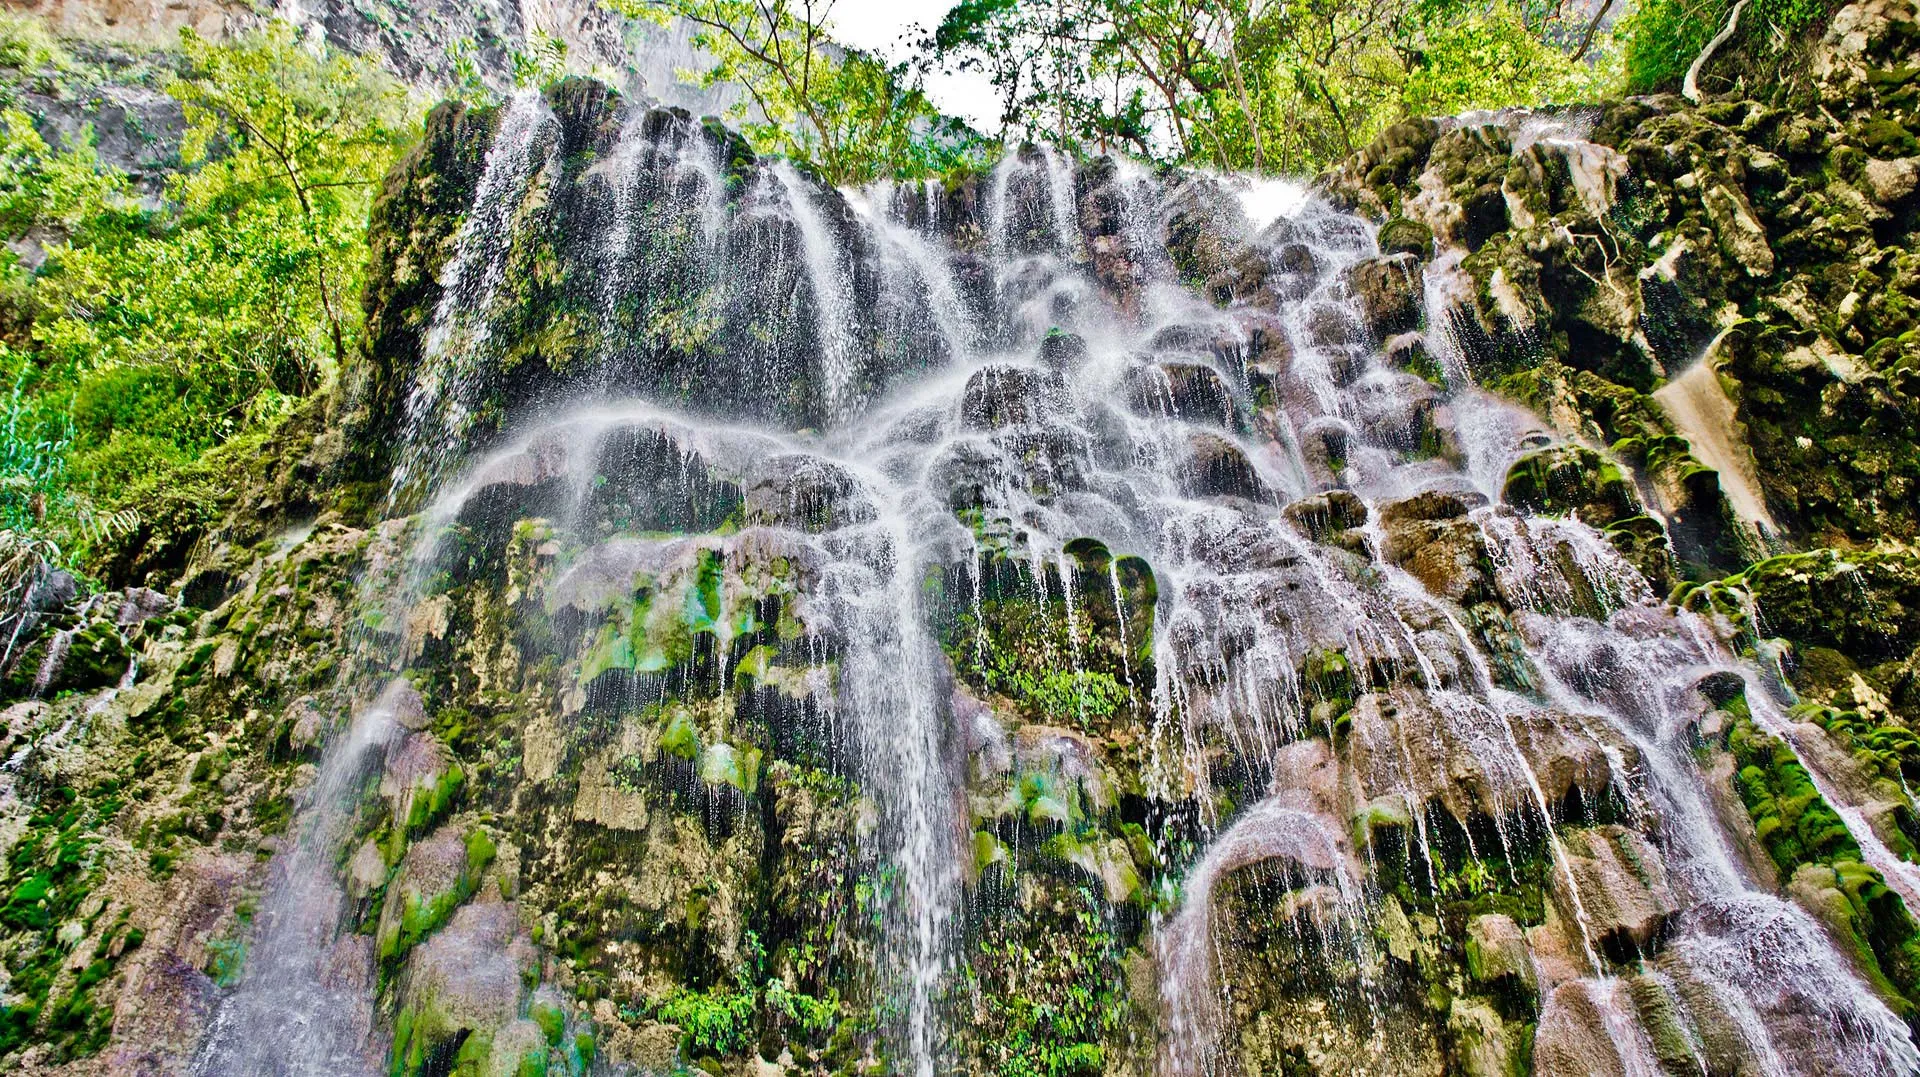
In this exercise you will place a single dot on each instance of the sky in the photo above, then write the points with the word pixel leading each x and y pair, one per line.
pixel 888 28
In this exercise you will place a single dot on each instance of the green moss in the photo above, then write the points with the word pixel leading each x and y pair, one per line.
pixel 681 738
pixel 723 764
pixel 421 915
pixel 1327 677
pixel 1887 138
pixel 226 958
pixel 1571 481
pixel 551 1019
pixel 1791 819
pixel 988 850
pixel 1807 839
pixel 1403 235
pixel 431 803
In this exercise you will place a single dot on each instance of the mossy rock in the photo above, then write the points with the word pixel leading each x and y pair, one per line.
pixel 1571 480
pixel 436 877
pixel 1402 235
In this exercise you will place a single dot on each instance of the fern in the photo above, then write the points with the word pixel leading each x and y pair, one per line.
pixel 26 563
pixel 100 528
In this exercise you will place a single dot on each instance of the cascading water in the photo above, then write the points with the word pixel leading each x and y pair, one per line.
pixel 443 398
pixel 1350 678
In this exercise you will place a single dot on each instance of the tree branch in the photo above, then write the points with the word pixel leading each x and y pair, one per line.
pixel 1690 86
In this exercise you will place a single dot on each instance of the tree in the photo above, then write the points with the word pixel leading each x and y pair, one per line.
pixel 273 121
pixel 1283 85
pixel 847 114
pixel 153 331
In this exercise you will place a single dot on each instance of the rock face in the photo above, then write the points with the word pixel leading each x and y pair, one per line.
pixel 951 644
pixel 1643 230
pixel 412 40
pixel 1389 293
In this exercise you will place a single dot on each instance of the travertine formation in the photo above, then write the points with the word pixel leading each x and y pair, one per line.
pixel 1040 622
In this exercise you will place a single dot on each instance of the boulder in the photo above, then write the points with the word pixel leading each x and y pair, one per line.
pixel 1622 890
pixel 1890 182
pixel 1571 480
pixel 1484 1047
pixel 1062 351
pixel 437 874
pixel 1430 536
pixel 1388 290
pixel 1403 235
pixel 1331 326
pixel 466 983
pixel 1574 1038
pixel 1325 517
pixel 649 479
pixel 1497 952
pixel 1003 396
pixel 1217 467
pixel 805 493
pixel 1186 391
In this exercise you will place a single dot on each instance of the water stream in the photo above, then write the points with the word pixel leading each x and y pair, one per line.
pixel 966 416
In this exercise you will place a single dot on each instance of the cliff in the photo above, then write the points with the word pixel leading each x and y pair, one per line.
pixel 1039 622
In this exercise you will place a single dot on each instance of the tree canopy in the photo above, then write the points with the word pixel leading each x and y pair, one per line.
pixel 849 115
pixel 1270 85
pixel 158 324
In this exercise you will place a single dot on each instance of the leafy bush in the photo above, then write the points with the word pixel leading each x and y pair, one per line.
pixel 1663 37
pixel 148 335
pixel 718 1022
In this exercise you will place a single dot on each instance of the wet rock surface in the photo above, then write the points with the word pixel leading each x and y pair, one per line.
pixel 1029 679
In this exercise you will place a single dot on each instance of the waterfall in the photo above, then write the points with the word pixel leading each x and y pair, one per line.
pixel 832 294
pixel 1703 415
pixel 1246 549
pixel 462 328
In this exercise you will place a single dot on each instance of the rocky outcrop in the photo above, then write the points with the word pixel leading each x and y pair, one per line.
pixel 1303 753
pixel 414 41
pixel 1599 250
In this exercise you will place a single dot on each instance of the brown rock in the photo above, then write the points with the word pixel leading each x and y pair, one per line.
pixel 1389 291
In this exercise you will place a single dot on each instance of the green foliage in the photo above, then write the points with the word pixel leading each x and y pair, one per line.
pixel 1051 991
pixel 1662 37
pixel 50 879
pixel 26 46
pixel 1269 86
pixel 1061 661
pixel 542 62
pixel 150 334
pixel 848 115
pixel 724 1020
pixel 1068 695
pixel 718 1022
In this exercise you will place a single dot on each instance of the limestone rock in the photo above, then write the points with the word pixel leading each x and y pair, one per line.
pixel 1218 467
pixel 1623 890
pixel 1186 391
pixel 1003 396
pixel 1404 236
pixel 1430 536
pixel 1389 292
pixel 1497 950
pixel 1892 181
